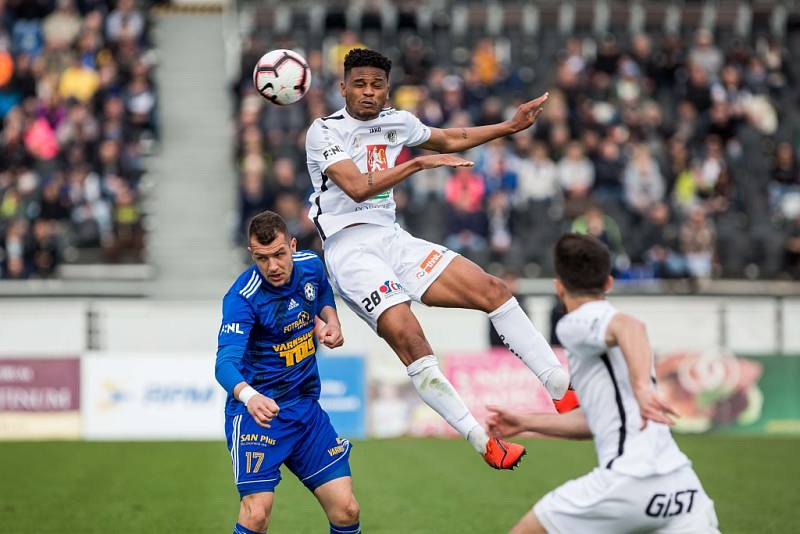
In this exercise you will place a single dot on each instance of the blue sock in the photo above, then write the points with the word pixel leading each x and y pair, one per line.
pixel 239 529
pixel 349 529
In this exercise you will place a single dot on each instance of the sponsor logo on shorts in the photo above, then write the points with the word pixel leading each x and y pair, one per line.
pixel 261 439
pixel 388 289
pixel 338 449
pixel 430 261
pixel 671 504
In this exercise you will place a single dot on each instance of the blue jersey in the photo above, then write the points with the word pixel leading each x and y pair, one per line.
pixel 267 333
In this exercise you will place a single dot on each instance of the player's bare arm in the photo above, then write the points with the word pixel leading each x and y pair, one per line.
pixel 630 335
pixel 361 186
pixel 262 408
pixel 503 422
pixel 328 329
pixel 450 140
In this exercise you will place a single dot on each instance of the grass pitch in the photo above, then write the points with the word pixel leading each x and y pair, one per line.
pixel 404 486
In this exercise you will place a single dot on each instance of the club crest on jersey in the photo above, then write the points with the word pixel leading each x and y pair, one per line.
pixel 376 158
pixel 391 136
pixel 310 292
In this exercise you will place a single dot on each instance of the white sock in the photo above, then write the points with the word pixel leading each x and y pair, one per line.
pixel 439 394
pixel 521 337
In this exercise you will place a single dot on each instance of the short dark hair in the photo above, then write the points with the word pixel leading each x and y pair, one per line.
pixel 266 226
pixel 364 57
pixel 583 264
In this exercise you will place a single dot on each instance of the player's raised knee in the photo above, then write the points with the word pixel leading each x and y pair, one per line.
pixel 346 514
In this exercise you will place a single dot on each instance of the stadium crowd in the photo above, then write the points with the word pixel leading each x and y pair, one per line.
pixel 680 155
pixel 78 109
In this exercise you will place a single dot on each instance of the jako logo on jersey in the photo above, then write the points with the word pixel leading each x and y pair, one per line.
pixel 231 328
pixel 293 304
pixel 376 158
pixel 309 291
pixel 389 287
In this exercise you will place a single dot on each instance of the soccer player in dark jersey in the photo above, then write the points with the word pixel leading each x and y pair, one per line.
pixel 272 316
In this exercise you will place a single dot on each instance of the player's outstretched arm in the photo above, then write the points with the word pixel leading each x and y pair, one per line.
pixel 363 186
pixel 451 140
pixel 630 335
pixel 503 422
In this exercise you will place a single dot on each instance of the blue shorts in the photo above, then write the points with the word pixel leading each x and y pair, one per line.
pixel 302 437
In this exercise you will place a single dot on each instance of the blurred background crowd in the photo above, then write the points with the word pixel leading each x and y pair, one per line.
pixel 78 109
pixel 677 150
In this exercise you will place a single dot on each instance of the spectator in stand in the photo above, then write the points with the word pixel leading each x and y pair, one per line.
pixel 598 224
pixel 658 238
pixel 609 167
pixel 498 212
pixel 575 173
pixel 644 185
pixel 537 177
pixel 697 240
pixel 125 22
pixel 784 176
pixel 416 61
pixel 498 165
pixel 704 54
pixel 466 224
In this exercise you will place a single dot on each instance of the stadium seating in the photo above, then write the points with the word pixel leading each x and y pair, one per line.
pixel 79 112
pixel 681 157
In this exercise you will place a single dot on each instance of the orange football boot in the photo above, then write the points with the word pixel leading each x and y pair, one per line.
pixel 568 402
pixel 501 454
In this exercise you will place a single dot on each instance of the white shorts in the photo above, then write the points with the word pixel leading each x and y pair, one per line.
pixel 376 267
pixel 605 501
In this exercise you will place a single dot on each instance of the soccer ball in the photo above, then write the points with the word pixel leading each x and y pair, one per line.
pixel 282 77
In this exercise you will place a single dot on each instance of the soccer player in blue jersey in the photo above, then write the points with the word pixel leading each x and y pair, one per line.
pixel 266 362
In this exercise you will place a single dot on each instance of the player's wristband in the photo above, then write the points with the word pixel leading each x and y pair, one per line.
pixel 246 394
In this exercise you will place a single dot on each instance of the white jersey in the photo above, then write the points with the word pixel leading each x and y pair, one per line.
pixel 373 146
pixel 600 378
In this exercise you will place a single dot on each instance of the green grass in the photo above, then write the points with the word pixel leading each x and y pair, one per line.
pixel 404 486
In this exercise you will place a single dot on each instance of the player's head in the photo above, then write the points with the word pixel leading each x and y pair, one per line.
pixel 366 82
pixel 271 247
pixel 583 266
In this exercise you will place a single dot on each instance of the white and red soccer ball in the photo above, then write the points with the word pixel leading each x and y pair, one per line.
pixel 282 76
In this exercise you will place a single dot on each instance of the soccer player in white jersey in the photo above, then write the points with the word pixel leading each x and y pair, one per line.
pixel 377 267
pixel 643 483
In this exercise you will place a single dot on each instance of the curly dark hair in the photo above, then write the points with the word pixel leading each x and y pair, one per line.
pixel 364 57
